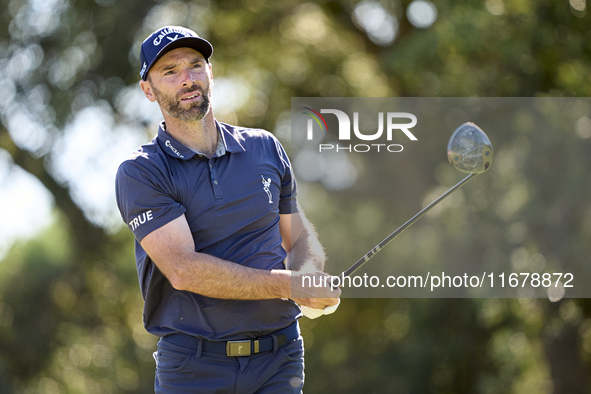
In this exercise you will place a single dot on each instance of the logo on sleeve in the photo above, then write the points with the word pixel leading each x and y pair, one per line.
pixel 141 219
pixel 266 188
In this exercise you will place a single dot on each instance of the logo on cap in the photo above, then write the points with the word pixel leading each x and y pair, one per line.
pixel 168 31
pixel 155 46
pixel 143 69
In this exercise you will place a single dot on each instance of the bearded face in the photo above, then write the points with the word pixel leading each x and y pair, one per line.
pixel 188 109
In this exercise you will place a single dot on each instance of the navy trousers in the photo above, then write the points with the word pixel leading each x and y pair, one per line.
pixel 181 370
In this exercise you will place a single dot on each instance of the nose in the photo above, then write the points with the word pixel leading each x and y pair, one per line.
pixel 188 78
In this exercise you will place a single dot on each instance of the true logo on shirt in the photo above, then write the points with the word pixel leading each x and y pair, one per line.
pixel 141 219
pixel 266 188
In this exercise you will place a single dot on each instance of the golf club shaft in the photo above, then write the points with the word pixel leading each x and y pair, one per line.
pixel 390 237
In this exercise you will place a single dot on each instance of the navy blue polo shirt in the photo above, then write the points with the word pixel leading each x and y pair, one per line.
pixel 232 204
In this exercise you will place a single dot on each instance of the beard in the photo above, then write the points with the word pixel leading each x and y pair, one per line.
pixel 172 106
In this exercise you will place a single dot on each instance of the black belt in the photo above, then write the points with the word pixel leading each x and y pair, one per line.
pixel 237 348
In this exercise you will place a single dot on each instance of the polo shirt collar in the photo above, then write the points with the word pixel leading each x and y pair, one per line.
pixel 172 146
pixel 230 142
pixel 180 151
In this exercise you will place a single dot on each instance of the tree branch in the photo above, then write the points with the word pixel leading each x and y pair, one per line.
pixel 87 236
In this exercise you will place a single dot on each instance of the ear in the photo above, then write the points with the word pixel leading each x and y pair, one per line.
pixel 147 89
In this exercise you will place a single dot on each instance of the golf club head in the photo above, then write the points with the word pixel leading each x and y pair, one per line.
pixel 469 149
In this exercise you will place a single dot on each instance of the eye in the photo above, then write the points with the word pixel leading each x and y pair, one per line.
pixel 169 72
pixel 197 65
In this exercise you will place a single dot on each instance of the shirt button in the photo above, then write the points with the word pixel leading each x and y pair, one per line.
pixel 215 182
pixel 210 166
pixel 200 155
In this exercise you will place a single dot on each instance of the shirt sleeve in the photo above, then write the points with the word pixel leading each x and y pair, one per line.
pixel 287 197
pixel 144 201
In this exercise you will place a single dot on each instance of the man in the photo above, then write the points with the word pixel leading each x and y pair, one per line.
pixel 213 242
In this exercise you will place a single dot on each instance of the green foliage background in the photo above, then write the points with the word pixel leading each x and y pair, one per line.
pixel 70 306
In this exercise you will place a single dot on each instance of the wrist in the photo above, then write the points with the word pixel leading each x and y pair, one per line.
pixel 281 283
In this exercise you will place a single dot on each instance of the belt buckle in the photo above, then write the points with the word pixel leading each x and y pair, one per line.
pixel 237 348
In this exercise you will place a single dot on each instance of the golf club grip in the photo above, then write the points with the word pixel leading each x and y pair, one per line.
pixel 400 229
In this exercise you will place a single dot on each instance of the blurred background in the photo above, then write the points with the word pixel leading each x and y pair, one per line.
pixel 71 110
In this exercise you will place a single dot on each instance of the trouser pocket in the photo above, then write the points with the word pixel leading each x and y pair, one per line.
pixel 172 358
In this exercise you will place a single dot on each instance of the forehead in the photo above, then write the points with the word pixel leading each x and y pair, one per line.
pixel 179 55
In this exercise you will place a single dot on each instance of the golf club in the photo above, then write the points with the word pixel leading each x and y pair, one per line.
pixel 468 150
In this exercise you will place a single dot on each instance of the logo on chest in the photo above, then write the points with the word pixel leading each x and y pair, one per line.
pixel 267 188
